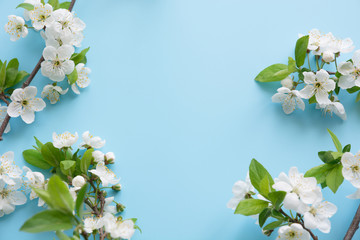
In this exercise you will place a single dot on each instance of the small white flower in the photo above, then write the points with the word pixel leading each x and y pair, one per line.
pixel 26 12
pixel 287 82
pixel 240 190
pixel 98 156
pixel 91 141
pixel 351 168
pixel 16 28
pixel 53 93
pixel 106 176
pixel 10 197
pixel 3 113
pixel 78 182
pixel 24 103
pixel 118 229
pixel 108 208
pixel 333 107
pixel 110 156
pixel 35 180
pixel 295 231
pixel 9 172
pixel 314 39
pixel 289 99
pixel 65 139
pixel 328 56
pixel 350 72
pixel 319 85
pixel 91 224
pixel 317 215
pixel 57 62
pixel 300 190
pixel 41 16
pixel 83 80
pixel 56 39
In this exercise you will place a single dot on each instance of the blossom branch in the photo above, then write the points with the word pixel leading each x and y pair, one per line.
pixel 27 83
pixel 354 226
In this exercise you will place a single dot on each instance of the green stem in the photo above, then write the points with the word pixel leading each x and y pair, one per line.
pixel 317 62
pixel 308 57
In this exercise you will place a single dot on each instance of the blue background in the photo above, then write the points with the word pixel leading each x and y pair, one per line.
pixel 173 94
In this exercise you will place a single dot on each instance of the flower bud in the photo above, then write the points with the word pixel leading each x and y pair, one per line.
pixel 328 56
pixel 116 187
pixel 78 181
pixel 110 157
pixel 267 232
pixel 98 156
pixel 120 207
pixel 287 82
pixel 104 193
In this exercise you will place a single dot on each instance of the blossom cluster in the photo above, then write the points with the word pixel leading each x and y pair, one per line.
pixel 62 32
pixel 319 86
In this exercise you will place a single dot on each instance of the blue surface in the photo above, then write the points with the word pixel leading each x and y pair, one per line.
pixel 173 94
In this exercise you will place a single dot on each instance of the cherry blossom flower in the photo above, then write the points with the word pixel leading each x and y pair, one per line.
pixel 350 72
pixel 10 196
pixel 106 176
pixel 53 93
pixel 333 107
pixel 16 28
pixel 65 139
pixel 295 231
pixel 83 80
pixel 290 99
pixel 241 190
pixel 98 156
pixel 41 16
pixel 91 141
pixel 287 82
pixel 35 180
pixel 56 39
pixel 9 172
pixel 78 182
pixel 24 103
pixel 351 168
pixel 26 12
pixel 92 223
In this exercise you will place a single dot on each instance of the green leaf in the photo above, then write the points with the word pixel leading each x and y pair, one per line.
pixel 54 4
pixel 11 74
pixel 19 77
pixel 26 6
pixel 347 148
pixel 301 50
pixel 3 76
pixel 357 97
pixel 275 72
pixel 86 160
pixel 263 216
pixel 80 200
pixel 78 57
pixel 13 63
pixel 273 225
pixel 292 65
pixel 335 178
pixel 68 167
pixel 72 77
pixel 60 195
pixel 62 236
pixel 46 221
pixel 38 143
pixel 250 207
pixel 277 198
pixel 336 141
pixel 320 172
pixel 260 178
pixel 277 214
pixel 51 154
pixel 353 89
pixel 329 156
pixel 65 5
pixel 35 158
pixel 44 195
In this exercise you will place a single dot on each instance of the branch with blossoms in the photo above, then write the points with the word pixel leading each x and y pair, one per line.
pixel 293 203
pixel 62 32
pixel 76 196
pixel 320 85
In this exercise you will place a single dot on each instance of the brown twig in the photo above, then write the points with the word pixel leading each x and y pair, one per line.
pixel 27 82
pixel 353 226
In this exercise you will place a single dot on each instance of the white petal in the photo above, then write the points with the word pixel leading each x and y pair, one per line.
pixel 345 68
pixel 28 115
pixel 307 92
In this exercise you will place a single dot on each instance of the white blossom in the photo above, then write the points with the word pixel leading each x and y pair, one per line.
pixel 317 215
pixel 16 27
pixel 295 231
pixel 350 72
pixel 26 12
pixel 319 85
pixel 3 113
pixel 78 182
pixel 41 16
pixel 65 139
pixel 351 168
pixel 9 172
pixel 328 56
pixel 98 156
pixel 53 93
pixel 241 189
pixel 57 62
pixel 24 103
pixel 91 141
pixel 300 190
pixel 118 229
pixel 83 80
pixel 333 107
pixel 290 99
pixel 106 176
pixel 110 156
pixel 35 180
pixel 56 39
pixel 108 208
pixel 92 223
pixel 10 196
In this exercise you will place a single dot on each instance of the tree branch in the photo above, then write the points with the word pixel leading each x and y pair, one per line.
pixel 353 226
pixel 28 81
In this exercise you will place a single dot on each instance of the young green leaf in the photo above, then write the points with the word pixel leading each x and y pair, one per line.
pixel 35 158
pixel 312 100
pixel 329 156
pixel 260 178
pixel 19 77
pixel 13 63
pixel 60 195
pixel 26 6
pixel 277 198
pixel 275 72
pixel 80 200
pixel 292 65
pixel 335 178
pixel 51 154
pixel 336 141
pixel 79 57
pixel 353 89
pixel 46 221
pixel 10 78
pixel 3 76
pixel 347 148
pixel 86 160
pixel 320 172
pixel 273 225
pixel 263 216
pixel 62 236
pixel 250 207
pixel 54 4
pixel 68 167
pixel 44 195
pixel 72 77
pixel 65 5
pixel 301 50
